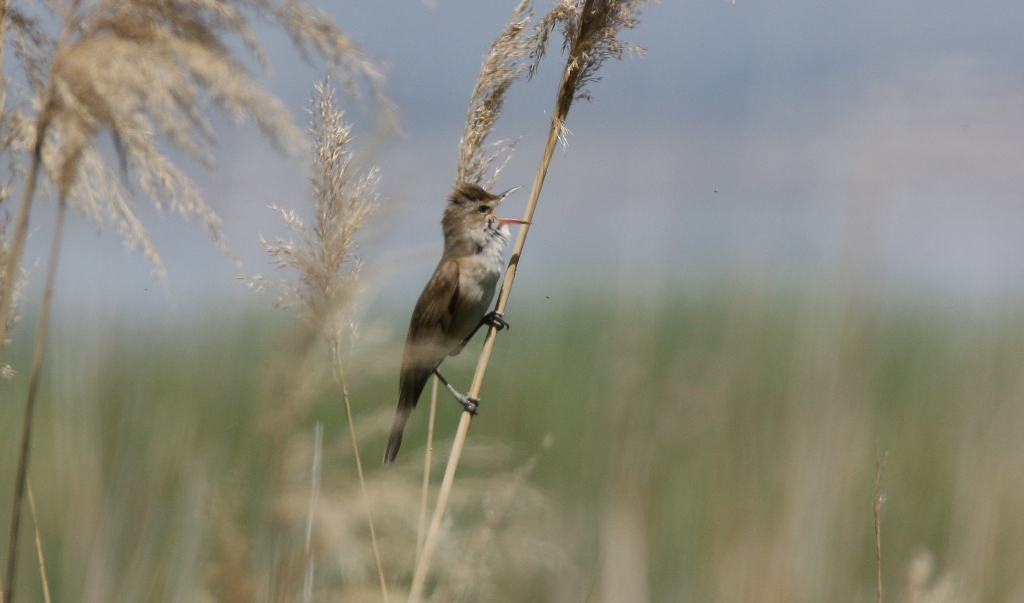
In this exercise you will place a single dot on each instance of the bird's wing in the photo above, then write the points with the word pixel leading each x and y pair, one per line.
pixel 433 313
pixel 427 343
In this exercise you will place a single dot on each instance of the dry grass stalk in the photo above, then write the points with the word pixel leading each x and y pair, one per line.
pixel 39 542
pixel 30 402
pixel 590 29
pixel 362 480
pixel 877 506
pixel 428 459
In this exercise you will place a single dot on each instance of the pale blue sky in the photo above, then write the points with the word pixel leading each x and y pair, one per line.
pixel 765 137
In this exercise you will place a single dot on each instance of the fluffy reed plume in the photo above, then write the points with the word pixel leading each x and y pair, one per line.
pixel 323 258
pixel 103 81
pixel 98 76
pixel 590 29
pixel 502 66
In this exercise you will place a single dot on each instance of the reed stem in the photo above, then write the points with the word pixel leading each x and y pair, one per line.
pixel 30 401
pixel 428 459
pixel 359 470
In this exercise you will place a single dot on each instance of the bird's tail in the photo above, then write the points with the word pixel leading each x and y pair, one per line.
pixel 395 438
pixel 414 379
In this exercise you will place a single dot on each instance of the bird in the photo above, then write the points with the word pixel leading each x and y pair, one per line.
pixel 454 303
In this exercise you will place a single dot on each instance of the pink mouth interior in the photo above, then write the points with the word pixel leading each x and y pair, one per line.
pixel 507 221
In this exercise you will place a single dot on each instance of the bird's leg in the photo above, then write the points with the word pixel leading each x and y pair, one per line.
pixel 469 403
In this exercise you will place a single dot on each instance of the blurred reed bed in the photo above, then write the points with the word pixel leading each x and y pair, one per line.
pixel 714 446
pixel 153 483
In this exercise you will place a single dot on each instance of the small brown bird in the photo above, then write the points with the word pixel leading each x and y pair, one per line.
pixel 454 303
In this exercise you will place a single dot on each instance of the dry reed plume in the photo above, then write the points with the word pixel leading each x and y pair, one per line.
pixel 502 66
pixel 323 256
pixel 97 76
pixel 590 29
pixel 6 371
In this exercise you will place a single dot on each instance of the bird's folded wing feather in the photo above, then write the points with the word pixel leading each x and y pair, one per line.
pixel 432 316
pixel 427 343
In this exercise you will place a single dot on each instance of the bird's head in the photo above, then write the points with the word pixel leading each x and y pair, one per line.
pixel 469 221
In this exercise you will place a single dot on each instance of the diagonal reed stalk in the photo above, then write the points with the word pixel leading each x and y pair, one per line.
pixel 340 375
pixel 590 31
pixel 39 542
pixel 30 402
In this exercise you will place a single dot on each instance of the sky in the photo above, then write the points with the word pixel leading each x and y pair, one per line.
pixel 794 140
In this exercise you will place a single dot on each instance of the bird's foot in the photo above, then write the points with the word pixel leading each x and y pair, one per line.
pixel 472 405
pixel 496 319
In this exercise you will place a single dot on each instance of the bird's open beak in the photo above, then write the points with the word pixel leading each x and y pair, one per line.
pixel 507 193
pixel 506 221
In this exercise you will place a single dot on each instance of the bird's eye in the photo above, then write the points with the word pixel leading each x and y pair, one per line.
pixel 483 209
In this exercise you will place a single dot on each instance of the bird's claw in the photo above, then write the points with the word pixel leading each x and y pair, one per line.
pixel 471 404
pixel 497 320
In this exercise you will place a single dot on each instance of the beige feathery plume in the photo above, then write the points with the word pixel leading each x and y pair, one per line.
pixel 148 71
pixel 502 66
pixel 323 256
pixel 590 30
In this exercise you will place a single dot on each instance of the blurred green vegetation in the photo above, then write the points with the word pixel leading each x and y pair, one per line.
pixel 715 446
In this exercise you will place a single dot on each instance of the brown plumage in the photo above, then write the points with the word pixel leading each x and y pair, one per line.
pixel 456 298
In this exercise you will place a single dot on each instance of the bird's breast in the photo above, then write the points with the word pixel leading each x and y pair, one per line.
pixel 478 278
